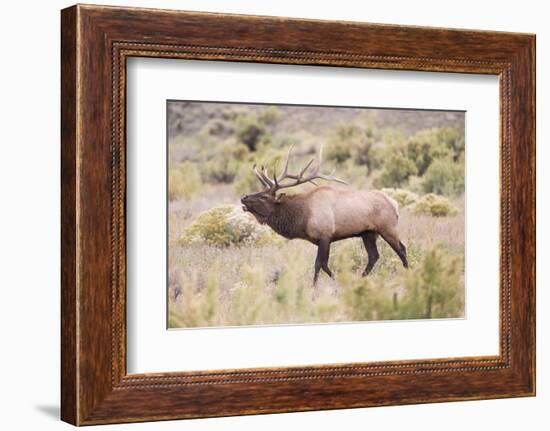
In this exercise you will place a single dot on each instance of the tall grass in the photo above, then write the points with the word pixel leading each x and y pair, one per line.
pixel 272 284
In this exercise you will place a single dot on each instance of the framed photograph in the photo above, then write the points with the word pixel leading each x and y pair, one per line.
pixel 263 214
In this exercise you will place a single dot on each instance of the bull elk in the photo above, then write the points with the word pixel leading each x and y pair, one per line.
pixel 325 214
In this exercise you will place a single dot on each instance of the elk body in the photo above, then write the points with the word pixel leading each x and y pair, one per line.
pixel 325 214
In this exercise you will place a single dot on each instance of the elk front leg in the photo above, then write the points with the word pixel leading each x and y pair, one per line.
pixel 369 239
pixel 323 252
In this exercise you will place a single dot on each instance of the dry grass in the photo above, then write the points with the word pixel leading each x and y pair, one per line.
pixel 251 285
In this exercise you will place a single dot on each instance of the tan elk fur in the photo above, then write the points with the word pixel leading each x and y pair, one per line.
pixel 326 214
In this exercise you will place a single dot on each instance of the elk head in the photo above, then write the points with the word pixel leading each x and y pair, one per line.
pixel 263 203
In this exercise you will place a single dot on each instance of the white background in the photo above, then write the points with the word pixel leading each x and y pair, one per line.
pixel 29 220
pixel 151 348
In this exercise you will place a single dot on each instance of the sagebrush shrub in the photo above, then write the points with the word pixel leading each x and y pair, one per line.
pixel 435 205
pixel 224 226
pixel 402 196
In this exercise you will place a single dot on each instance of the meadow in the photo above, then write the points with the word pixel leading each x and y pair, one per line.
pixel 225 269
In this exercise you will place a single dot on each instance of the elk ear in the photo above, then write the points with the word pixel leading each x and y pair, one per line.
pixel 279 198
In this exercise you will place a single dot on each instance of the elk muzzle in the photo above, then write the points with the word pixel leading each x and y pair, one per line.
pixel 244 200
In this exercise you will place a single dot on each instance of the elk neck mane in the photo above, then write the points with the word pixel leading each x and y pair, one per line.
pixel 290 216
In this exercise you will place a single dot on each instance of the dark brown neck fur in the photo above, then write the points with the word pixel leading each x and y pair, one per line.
pixel 290 217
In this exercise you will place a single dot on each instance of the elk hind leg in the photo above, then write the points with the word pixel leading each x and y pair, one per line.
pixel 369 239
pixel 397 246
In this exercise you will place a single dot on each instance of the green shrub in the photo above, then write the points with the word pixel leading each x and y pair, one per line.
pixel 453 139
pixel 184 181
pixel 233 111
pixel 226 225
pixel 419 151
pixel 340 144
pixel 269 115
pixel 348 130
pixel 217 127
pixel 397 170
pixel 435 205
pixel 367 151
pixel 224 166
pixel 424 147
pixel 444 177
pixel 338 150
pixel 251 130
pixel 402 196
pixel 392 138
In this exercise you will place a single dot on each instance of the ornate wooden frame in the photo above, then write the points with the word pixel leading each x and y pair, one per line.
pixel 95 43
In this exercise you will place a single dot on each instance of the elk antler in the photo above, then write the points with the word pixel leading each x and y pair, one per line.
pixel 277 182
pixel 266 182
